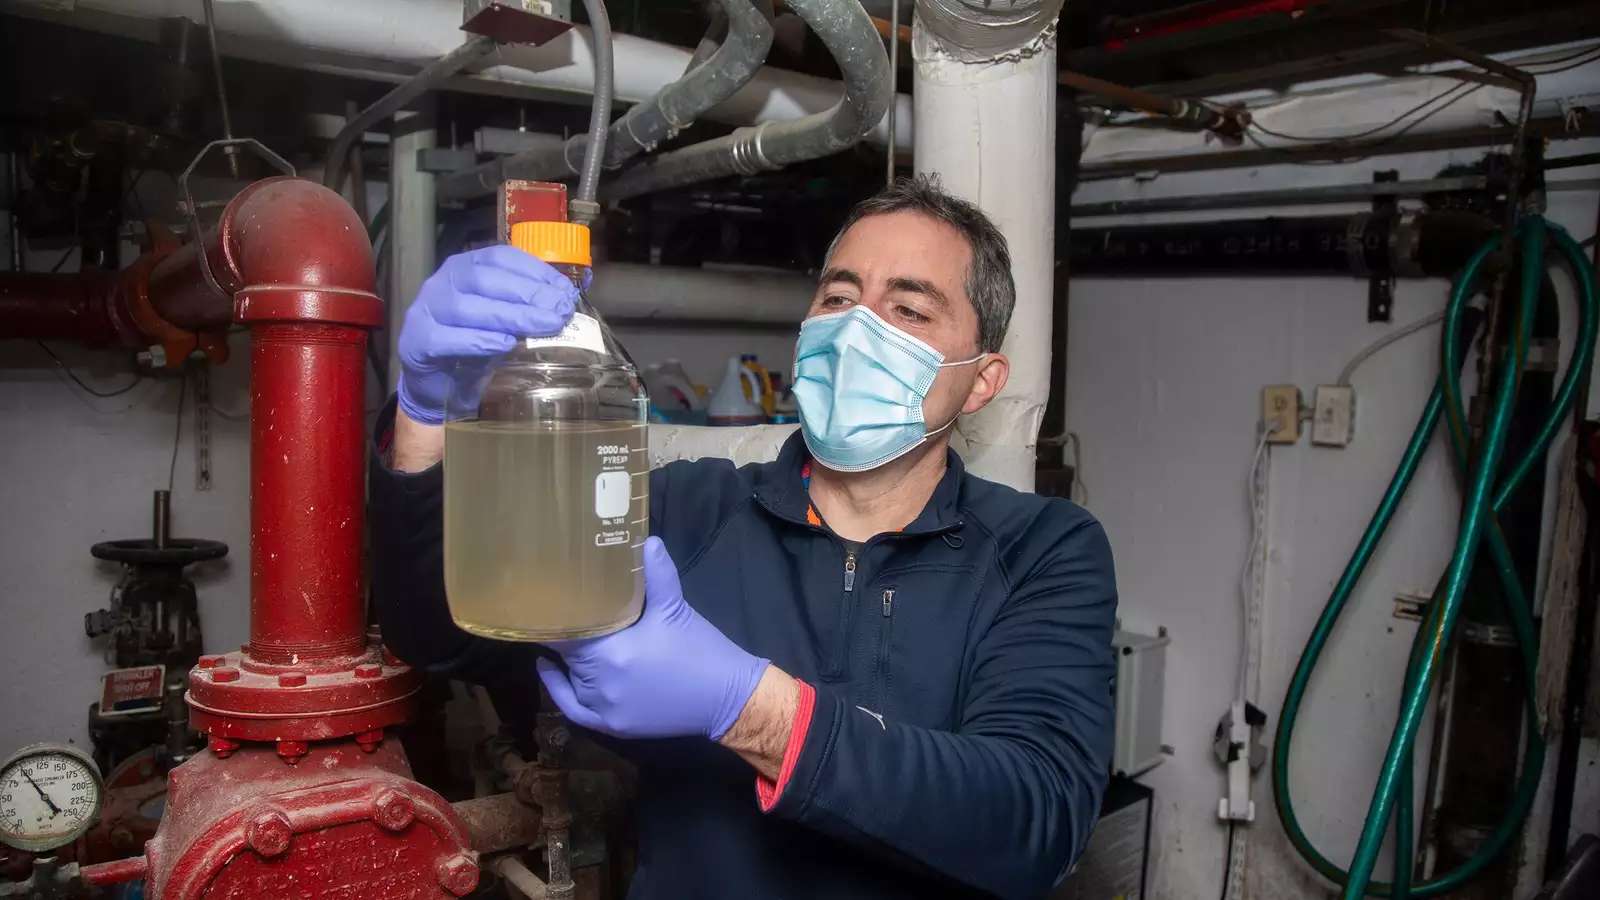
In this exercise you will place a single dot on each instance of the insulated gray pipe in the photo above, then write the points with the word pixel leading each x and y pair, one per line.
pixel 847 31
pixel 674 107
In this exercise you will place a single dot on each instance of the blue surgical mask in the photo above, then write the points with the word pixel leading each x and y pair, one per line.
pixel 860 383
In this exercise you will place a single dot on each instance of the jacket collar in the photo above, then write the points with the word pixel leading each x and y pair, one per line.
pixel 779 488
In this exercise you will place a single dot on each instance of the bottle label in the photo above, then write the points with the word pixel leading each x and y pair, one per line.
pixel 582 333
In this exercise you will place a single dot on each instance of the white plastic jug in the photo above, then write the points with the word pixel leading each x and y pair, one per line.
pixel 729 405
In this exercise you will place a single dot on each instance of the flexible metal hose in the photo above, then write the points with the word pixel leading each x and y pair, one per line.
pixel 1484 500
pixel 599 114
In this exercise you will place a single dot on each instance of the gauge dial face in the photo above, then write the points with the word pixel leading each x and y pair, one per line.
pixel 49 796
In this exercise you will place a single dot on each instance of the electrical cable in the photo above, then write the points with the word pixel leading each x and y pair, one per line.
pixel 177 428
pixel 1489 486
pixel 1367 352
pixel 1227 862
pixel 1337 139
pixel 1589 58
pixel 1448 98
pixel 1368 150
pixel 137 376
pixel 1254 489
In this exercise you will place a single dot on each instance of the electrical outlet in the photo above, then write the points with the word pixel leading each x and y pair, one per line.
pixel 1280 411
pixel 1333 415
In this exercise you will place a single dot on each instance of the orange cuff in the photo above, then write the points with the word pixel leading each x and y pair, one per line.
pixel 768 792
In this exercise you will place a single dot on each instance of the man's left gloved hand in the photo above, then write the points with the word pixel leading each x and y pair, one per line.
pixel 670 674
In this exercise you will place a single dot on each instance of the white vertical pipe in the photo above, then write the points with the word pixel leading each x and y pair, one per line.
pixel 988 130
pixel 412 231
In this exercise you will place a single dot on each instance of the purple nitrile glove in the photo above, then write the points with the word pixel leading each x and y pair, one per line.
pixel 670 674
pixel 473 307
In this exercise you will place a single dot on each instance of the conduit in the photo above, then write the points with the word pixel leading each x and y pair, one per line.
pixel 846 30
pixel 962 103
pixel 659 118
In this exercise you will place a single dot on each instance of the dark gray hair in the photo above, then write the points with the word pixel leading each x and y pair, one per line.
pixel 989 283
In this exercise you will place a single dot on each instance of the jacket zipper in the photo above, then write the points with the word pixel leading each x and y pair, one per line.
pixel 839 660
pixel 883 631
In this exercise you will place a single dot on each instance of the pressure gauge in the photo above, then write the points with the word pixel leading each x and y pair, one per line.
pixel 49 796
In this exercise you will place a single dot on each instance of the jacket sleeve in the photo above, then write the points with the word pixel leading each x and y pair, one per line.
pixel 1006 802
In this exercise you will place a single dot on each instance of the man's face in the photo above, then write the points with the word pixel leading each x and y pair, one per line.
pixel 911 270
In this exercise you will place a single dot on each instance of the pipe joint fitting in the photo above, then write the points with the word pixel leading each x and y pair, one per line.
pixel 746 154
pixel 975 30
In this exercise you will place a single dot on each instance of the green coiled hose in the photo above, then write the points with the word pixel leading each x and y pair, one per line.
pixel 1487 493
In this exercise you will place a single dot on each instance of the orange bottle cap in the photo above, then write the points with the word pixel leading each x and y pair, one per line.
pixel 553 242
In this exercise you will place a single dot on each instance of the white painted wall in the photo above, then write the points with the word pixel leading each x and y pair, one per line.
pixel 80 470
pixel 1163 378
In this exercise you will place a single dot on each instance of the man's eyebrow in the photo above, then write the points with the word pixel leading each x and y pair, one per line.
pixel 844 275
pixel 918 286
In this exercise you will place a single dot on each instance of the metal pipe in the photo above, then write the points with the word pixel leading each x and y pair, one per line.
pixel 894 87
pixel 678 293
pixel 161 519
pixel 222 89
pixel 1194 112
pixel 56 307
pixel 552 735
pixel 520 877
pixel 499 822
pixel 358 180
pixel 1333 193
pixel 1528 85
pixel 118 871
pixel 474 49
pixel 846 30
pixel 674 107
pixel 1426 244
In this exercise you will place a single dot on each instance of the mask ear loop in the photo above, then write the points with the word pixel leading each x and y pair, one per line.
pixel 946 426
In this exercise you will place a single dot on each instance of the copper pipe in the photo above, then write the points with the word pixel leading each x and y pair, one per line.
pixel 1227 122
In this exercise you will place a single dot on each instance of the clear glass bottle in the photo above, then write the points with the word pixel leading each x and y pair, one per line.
pixel 546 475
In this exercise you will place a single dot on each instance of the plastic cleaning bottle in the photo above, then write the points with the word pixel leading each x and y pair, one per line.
pixel 760 390
pixel 731 404
pixel 546 475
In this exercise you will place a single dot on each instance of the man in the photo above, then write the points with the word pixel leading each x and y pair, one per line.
pixel 860 671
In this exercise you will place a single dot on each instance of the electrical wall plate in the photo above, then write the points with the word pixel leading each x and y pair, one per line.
pixel 1280 412
pixel 1333 415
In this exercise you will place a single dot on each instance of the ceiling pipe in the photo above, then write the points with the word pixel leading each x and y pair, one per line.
pixel 986 127
pixel 638 292
pixel 341 39
pixel 847 32
pixel 669 110
pixel 982 30
pixel 473 49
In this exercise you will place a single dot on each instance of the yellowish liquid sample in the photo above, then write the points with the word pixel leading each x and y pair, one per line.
pixel 543 527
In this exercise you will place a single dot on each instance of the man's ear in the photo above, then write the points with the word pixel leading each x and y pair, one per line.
pixel 993 370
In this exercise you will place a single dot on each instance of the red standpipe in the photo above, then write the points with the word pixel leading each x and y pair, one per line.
pixel 294 264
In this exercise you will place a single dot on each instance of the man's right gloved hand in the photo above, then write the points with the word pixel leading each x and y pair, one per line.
pixel 475 306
